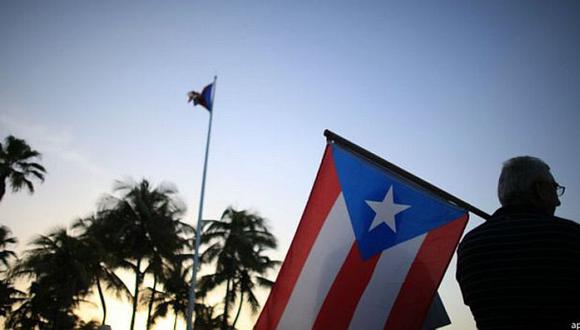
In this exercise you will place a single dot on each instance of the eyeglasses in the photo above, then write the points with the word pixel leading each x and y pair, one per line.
pixel 559 189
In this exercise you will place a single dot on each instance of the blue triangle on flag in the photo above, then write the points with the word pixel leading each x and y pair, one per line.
pixel 364 183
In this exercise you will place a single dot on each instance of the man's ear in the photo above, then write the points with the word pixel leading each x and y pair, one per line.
pixel 537 190
pixel 545 194
pixel 541 192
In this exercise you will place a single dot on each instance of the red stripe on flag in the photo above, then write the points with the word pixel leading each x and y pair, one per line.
pixel 350 283
pixel 322 197
pixel 425 275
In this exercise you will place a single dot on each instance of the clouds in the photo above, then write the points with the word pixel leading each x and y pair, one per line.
pixel 56 144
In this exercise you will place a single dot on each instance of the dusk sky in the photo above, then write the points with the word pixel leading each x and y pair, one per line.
pixel 446 90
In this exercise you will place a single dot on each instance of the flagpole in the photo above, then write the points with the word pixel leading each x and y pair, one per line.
pixel 191 301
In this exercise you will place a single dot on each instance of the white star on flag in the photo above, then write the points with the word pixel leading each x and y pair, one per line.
pixel 386 211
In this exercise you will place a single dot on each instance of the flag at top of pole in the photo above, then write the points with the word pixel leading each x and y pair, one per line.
pixel 205 98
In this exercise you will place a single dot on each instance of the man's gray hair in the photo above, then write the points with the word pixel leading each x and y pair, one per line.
pixel 517 179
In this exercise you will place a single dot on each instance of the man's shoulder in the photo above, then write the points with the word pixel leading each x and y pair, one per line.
pixel 473 235
pixel 574 225
pixel 523 223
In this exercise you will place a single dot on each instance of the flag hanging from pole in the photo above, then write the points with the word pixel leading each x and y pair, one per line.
pixel 369 253
pixel 205 98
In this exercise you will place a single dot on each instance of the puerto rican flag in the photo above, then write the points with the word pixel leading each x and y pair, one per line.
pixel 369 252
pixel 205 98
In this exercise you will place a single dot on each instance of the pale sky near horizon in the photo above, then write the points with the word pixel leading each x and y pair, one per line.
pixel 447 90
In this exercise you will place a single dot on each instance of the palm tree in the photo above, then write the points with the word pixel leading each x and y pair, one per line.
pixel 17 165
pixel 156 268
pixel 147 228
pixel 60 278
pixel 28 315
pixel 6 255
pixel 91 325
pixel 205 318
pixel 100 259
pixel 162 268
pixel 248 278
pixel 9 296
pixel 175 293
pixel 236 243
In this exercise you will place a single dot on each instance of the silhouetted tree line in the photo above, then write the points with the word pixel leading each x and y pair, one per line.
pixel 138 228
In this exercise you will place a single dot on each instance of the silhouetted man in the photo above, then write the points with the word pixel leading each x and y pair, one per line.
pixel 521 268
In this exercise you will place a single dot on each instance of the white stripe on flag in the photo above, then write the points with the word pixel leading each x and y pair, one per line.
pixel 324 262
pixel 382 290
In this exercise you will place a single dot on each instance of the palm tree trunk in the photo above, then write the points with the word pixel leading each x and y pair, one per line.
pixel 136 292
pixel 239 308
pixel 151 302
pixel 227 305
pixel 102 297
pixel 2 186
pixel 175 321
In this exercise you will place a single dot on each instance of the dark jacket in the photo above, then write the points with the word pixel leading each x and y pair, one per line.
pixel 521 270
